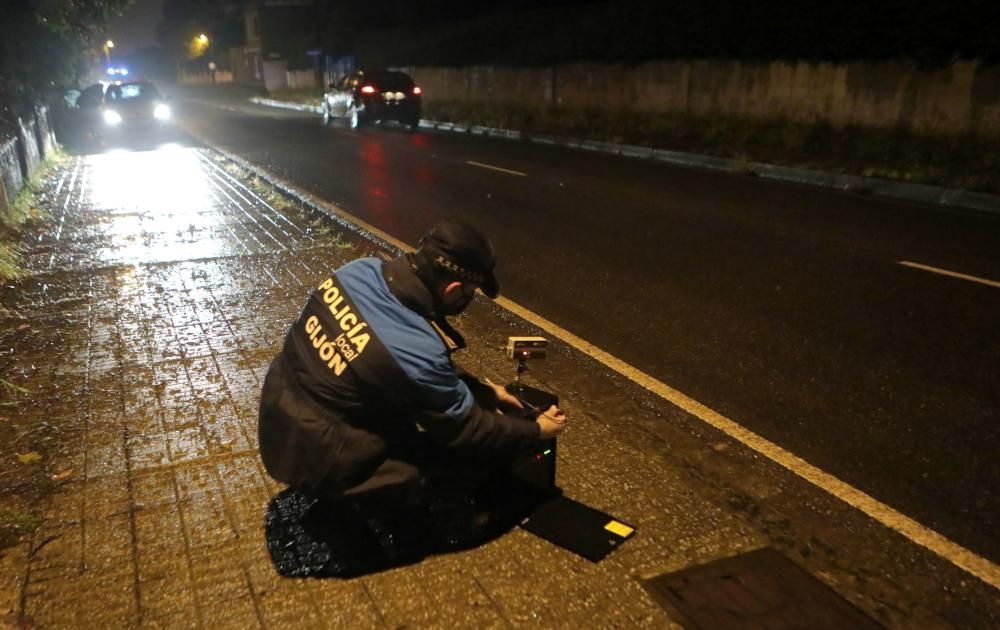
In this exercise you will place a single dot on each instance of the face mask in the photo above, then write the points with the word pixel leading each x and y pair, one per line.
pixel 457 301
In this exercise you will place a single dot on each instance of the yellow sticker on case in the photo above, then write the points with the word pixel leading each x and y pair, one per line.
pixel 621 529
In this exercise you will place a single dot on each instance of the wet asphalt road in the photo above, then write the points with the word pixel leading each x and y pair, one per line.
pixel 781 307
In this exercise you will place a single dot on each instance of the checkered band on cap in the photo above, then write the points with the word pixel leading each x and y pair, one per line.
pixel 461 272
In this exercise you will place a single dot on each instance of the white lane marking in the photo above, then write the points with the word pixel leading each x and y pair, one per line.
pixel 496 168
pixel 953 274
pixel 925 537
pixel 917 533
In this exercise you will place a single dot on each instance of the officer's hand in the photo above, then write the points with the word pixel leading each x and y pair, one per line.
pixel 505 398
pixel 552 422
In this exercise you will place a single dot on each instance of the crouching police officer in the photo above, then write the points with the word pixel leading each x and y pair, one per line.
pixel 363 403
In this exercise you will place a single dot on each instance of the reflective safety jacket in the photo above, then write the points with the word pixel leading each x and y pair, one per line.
pixel 362 370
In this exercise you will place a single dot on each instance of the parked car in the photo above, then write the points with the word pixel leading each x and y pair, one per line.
pixel 89 97
pixel 368 96
pixel 76 118
pixel 134 106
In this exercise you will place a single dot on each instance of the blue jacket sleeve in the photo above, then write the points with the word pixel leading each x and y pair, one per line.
pixel 449 413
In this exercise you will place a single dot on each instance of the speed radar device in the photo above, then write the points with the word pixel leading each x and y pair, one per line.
pixel 525 348
pixel 555 517
pixel 522 350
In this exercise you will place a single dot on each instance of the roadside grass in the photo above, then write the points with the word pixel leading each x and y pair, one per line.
pixel 28 468
pixel 966 161
pixel 321 227
pixel 10 262
pixel 24 211
pixel 307 96
pixel 16 523
pixel 34 447
pixel 10 390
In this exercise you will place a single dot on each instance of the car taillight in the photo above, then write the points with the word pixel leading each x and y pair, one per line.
pixel 417 90
pixel 368 89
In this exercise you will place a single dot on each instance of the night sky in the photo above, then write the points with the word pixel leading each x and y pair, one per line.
pixel 136 28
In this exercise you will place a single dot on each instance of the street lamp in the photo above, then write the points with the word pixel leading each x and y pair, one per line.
pixel 108 45
pixel 198 45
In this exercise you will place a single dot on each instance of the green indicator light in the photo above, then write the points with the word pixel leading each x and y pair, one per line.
pixel 547 451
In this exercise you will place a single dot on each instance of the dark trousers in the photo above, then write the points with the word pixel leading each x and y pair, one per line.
pixel 416 468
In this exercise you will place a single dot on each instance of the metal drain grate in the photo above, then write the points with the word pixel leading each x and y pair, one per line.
pixel 761 589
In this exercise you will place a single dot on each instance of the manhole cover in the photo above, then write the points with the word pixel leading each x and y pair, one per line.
pixel 759 589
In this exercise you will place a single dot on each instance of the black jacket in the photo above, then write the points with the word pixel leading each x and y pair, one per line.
pixel 365 367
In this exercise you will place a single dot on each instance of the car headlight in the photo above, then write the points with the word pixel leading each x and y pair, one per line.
pixel 112 117
pixel 161 112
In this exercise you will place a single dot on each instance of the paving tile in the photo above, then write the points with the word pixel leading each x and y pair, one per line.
pixel 239 613
pixel 104 599
pixel 163 596
pixel 107 495
pixel 52 579
pixel 158 529
pixel 225 434
pixel 107 543
pixel 206 520
pixel 105 459
pixel 47 612
pixel 153 488
pixel 498 560
pixel 195 478
pixel 66 503
pixel 524 603
pixel 220 581
pixel 241 476
pixel 182 619
pixel 186 444
pixel 288 605
pixel 57 544
pixel 162 562
pixel 457 595
pixel 345 604
pixel 146 449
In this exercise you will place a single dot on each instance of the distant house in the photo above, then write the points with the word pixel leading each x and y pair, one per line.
pixel 280 44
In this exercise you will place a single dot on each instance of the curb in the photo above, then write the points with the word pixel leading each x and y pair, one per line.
pixel 934 195
pixel 341 216
pixel 299 107
pixel 921 193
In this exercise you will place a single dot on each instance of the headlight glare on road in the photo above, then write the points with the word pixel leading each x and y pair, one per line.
pixel 112 117
pixel 161 112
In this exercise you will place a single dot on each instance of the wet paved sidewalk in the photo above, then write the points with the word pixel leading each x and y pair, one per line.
pixel 165 291
pixel 159 298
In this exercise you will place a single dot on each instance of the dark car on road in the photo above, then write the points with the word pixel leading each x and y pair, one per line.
pixel 134 106
pixel 369 96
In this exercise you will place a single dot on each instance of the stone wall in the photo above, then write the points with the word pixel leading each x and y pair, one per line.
pixel 204 78
pixel 44 132
pixel 10 171
pixel 31 155
pixel 23 151
pixel 962 97
pixel 301 79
